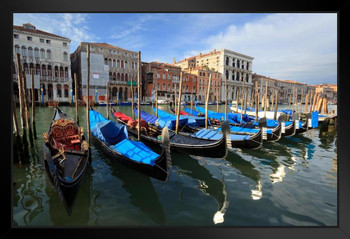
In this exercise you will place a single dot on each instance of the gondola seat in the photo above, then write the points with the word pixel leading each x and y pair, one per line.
pixel 65 134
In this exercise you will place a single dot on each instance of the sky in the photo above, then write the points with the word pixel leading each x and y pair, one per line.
pixel 286 46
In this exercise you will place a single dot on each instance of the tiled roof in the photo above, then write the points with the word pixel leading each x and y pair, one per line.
pixel 20 28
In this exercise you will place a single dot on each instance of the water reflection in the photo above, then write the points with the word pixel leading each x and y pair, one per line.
pixel 28 193
pixel 141 190
pixel 208 184
pixel 81 210
pixel 247 169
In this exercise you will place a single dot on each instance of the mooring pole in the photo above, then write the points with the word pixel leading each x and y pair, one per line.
pixel 107 94
pixel 33 108
pixel 139 96
pixel 226 96
pixel 76 98
pixel 178 104
pixel 276 105
pixel 88 95
pixel 21 103
pixel 206 102
pixel 132 98
pixel 27 109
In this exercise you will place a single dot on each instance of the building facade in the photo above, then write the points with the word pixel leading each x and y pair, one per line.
pixel 201 84
pixel 234 66
pixel 48 55
pixel 161 77
pixel 285 88
pixel 108 64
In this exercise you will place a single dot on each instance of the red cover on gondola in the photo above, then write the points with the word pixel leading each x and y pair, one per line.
pixel 122 116
pixel 183 113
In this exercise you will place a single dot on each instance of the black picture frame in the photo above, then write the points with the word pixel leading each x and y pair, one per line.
pixel 342 8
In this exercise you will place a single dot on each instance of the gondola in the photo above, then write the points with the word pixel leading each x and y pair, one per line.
pixel 66 157
pixel 113 140
pixel 233 140
pixel 248 128
pixel 178 142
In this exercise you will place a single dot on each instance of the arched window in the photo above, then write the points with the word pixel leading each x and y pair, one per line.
pixel 49 70
pixel 66 92
pixel 122 77
pixel 118 63
pixel 56 71
pixel 110 75
pixel 31 66
pixel 106 61
pixel 126 77
pixel 48 54
pixel 24 51
pixel 61 72
pixel 37 69
pixel 65 56
pixel 43 70
pixel 42 53
pixel 227 60
pixel 59 90
pixel 114 76
pixel 25 67
pixel 36 53
pixel 30 52
pixel 118 76
pixel 122 64
pixel 17 49
pixel 66 72
pixel 114 64
pixel 126 64
pixel 110 62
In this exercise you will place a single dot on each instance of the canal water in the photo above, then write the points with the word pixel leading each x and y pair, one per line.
pixel 291 182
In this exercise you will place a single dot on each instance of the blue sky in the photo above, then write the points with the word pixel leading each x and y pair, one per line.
pixel 293 46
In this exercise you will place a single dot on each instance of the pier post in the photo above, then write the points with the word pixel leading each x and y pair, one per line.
pixel 33 107
pixel 178 104
pixel 139 96
pixel 21 103
pixel 88 95
pixel 276 106
pixel 76 98
pixel 132 98
pixel 206 102
pixel 26 107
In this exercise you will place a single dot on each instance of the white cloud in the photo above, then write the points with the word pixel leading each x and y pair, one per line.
pixel 298 47
pixel 73 26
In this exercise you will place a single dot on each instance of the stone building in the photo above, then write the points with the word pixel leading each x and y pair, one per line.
pixel 234 66
pixel 285 88
pixel 48 55
pixel 328 90
pixel 108 63
pixel 202 82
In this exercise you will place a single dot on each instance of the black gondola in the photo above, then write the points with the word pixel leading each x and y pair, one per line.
pixel 179 142
pixel 117 146
pixel 252 141
pixel 66 157
pixel 273 133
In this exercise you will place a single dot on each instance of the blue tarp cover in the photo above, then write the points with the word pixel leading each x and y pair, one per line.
pixel 115 135
pixel 234 118
pixel 194 112
pixel 208 134
pixel 136 151
pixel 161 122
pixel 192 121
pixel 314 121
